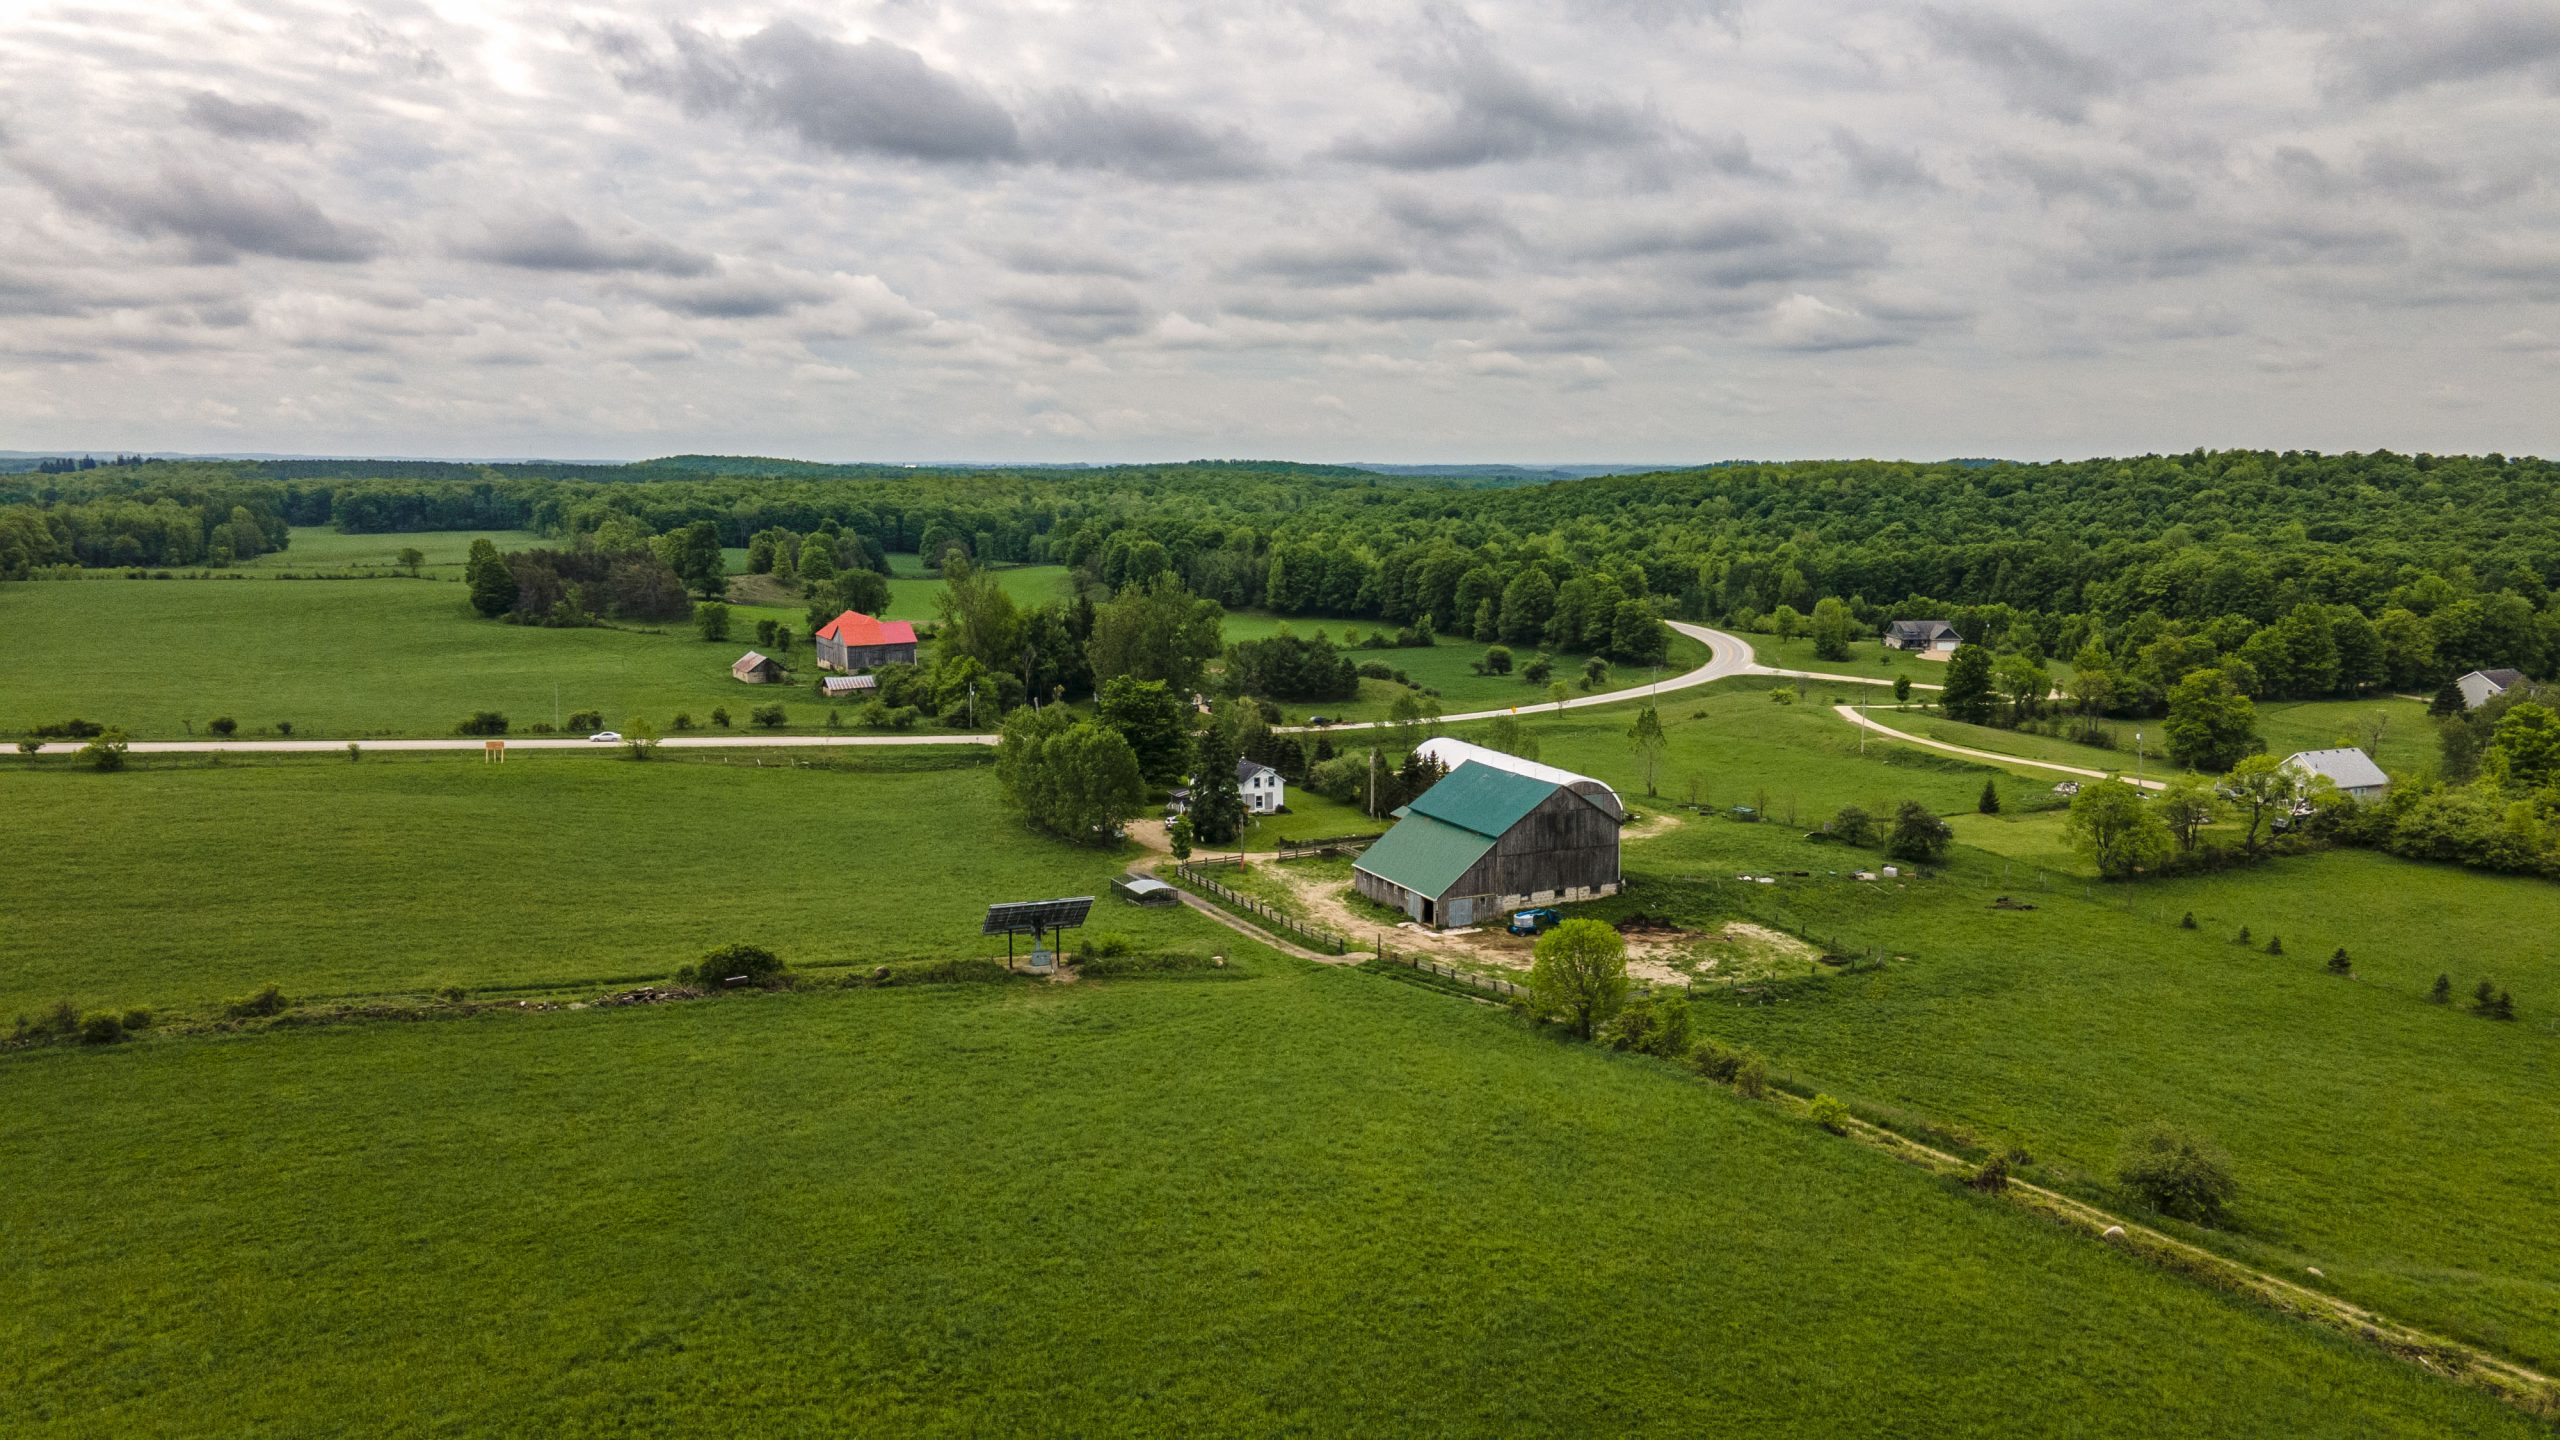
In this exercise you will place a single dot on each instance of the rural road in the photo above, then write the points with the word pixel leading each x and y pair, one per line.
pixel 1855 716
pixel 1729 655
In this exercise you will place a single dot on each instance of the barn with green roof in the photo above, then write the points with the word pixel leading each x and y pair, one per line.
pixel 1484 841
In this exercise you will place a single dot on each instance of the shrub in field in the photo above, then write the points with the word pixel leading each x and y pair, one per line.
pixel 222 726
pixel 1989 804
pixel 2187 921
pixel 2177 1175
pixel 1650 1025
pixel 284 727
pixel 483 722
pixel 100 1027
pixel 1991 1176
pixel 587 720
pixel 2242 938
pixel 1751 1076
pixel 354 751
pixel 2441 992
pixel 2339 964
pixel 137 1018
pixel 2491 1003
pixel 1828 1113
pixel 684 720
pixel 2275 944
pixel 749 964
pixel 29 747
pixel 1918 835
pixel 1854 826
pixel 269 1001
pixel 1782 695
pixel 720 716
pixel 1106 945
pixel 72 729
pixel 106 752
pixel 1714 1061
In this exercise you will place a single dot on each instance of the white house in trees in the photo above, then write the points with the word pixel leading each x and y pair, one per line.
pixel 1264 791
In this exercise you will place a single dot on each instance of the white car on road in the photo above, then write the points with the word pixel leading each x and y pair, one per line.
pixel 606 737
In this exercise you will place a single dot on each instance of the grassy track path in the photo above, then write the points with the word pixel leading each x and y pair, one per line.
pixel 1855 716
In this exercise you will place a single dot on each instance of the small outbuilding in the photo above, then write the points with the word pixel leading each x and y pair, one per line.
pixel 755 669
pixel 2482 686
pixel 1925 635
pixel 2350 769
pixel 1145 890
pixel 1484 841
pixel 848 687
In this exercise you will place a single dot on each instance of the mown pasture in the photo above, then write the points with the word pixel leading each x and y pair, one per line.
pixel 177 883
pixel 1312 1202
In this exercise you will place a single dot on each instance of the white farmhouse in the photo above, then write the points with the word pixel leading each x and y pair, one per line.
pixel 2482 686
pixel 1264 791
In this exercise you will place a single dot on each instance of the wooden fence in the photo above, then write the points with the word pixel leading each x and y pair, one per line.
pixel 1190 876
pixel 1330 845
pixel 1449 972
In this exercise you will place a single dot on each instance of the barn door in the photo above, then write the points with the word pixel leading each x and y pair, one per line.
pixel 1462 911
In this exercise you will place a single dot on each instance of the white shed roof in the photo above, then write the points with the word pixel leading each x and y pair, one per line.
pixel 2348 769
pixel 1452 752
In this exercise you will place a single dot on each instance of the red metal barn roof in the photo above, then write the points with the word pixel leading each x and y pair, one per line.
pixel 855 628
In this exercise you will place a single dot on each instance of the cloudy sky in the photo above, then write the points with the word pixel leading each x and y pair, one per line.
pixel 1596 230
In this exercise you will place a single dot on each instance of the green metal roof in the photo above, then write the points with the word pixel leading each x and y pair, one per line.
pixel 1477 797
pixel 1424 855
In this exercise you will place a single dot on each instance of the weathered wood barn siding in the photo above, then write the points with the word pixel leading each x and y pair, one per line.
pixel 1564 849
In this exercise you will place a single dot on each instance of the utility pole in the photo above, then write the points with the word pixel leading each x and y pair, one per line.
pixel 2137 759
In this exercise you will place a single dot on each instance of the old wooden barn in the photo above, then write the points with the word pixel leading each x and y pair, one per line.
pixel 1485 841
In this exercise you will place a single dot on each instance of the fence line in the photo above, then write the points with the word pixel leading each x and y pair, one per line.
pixel 1188 873
pixel 1449 972
pixel 1329 845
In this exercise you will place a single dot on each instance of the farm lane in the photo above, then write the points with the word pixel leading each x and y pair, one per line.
pixel 1854 716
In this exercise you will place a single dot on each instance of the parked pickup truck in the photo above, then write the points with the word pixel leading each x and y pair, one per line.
pixel 1534 922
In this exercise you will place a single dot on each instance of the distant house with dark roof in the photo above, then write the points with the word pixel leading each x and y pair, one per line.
pixel 1921 635
pixel 2482 686
pixel 855 641
pixel 1264 791
pixel 2351 770
pixel 1485 841
pixel 755 669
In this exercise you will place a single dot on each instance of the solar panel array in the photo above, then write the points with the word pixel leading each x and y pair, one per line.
pixel 1033 917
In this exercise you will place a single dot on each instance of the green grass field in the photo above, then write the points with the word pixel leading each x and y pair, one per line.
pixel 407 872
pixel 1866 657
pixel 340 659
pixel 2408 740
pixel 1314 1202
pixel 1447 667
pixel 319 550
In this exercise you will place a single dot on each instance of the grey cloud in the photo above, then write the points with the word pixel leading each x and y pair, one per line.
pixel 1055 257
pixel 2116 184
pixel 219 216
pixel 1079 313
pixel 249 120
pixel 389 51
pixel 1737 249
pixel 2446 44
pixel 549 239
pixel 1878 168
pixel 742 296
pixel 1403 298
pixel 1495 111
pixel 1322 263
pixel 2034 71
pixel 873 98
pixel 1080 131
pixel 1447 219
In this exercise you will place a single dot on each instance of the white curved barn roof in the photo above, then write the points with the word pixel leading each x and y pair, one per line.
pixel 1452 752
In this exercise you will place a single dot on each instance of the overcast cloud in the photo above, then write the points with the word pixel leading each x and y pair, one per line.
pixel 1618 230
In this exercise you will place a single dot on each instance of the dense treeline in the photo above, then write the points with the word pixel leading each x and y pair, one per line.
pixel 2432 564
